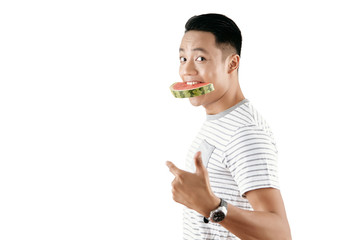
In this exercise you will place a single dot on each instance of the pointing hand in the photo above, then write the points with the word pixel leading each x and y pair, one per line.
pixel 193 189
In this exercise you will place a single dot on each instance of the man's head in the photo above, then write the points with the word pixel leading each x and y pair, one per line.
pixel 226 32
pixel 210 52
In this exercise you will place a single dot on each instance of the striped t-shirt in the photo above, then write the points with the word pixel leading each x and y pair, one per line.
pixel 240 154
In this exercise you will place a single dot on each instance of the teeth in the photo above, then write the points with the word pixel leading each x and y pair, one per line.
pixel 191 83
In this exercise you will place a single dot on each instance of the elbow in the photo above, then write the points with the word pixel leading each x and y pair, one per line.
pixel 283 237
pixel 287 235
pixel 286 232
pixel 287 238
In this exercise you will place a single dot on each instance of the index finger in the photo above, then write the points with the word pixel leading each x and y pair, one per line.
pixel 173 169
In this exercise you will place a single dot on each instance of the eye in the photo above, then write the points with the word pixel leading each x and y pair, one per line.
pixel 200 59
pixel 182 59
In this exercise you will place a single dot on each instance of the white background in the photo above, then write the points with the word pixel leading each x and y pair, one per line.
pixel 87 120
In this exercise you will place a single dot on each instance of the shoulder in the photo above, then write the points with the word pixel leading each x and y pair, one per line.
pixel 254 124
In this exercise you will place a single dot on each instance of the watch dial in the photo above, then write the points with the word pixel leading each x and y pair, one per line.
pixel 218 216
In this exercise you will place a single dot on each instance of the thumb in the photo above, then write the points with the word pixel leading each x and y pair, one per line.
pixel 199 163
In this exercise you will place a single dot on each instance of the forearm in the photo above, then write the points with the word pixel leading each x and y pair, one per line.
pixel 256 225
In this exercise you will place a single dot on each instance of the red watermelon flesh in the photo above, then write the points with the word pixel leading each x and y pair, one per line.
pixel 185 86
pixel 185 90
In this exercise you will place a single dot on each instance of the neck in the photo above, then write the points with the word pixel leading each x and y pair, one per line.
pixel 233 96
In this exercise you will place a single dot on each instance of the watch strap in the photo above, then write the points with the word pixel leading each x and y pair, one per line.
pixel 223 203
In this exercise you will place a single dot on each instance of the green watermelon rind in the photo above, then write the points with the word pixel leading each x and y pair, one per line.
pixel 192 92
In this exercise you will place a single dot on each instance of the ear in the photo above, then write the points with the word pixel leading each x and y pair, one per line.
pixel 234 62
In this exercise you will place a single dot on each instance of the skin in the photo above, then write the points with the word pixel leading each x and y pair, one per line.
pixel 201 59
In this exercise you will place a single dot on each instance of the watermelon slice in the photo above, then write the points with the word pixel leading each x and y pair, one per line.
pixel 186 90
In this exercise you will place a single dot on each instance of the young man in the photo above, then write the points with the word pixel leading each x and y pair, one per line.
pixel 230 187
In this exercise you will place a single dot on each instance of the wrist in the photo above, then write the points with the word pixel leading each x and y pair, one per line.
pixel 217 215
pixel 212 204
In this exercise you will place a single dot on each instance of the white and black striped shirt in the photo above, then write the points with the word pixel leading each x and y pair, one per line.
pixel 240 154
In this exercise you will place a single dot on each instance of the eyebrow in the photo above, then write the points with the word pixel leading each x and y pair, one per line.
pixel 194 50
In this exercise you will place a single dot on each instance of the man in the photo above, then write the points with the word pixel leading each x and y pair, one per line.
pixel 230 187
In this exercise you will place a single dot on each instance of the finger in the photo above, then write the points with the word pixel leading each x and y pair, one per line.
pixel 173 169
pixel 173 183
pixel 198 162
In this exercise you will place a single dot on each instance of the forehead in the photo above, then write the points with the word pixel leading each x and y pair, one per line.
pixel 198 39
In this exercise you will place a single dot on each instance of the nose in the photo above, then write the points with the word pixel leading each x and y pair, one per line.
pixel 188 69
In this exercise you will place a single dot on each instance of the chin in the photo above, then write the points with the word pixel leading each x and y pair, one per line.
pixel 196 101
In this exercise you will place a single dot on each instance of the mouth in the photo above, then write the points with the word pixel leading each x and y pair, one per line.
pixel 193 82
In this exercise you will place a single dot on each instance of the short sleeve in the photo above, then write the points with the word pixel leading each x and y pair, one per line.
pixel 251 157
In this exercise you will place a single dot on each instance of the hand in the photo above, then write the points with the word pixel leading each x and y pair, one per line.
pixel 193 189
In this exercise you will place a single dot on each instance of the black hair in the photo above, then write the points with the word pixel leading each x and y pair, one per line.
pixel 224 29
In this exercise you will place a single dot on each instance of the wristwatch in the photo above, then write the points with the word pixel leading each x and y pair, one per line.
pixel 219 213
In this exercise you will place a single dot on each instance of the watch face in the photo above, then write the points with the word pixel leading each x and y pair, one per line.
pixel 218 216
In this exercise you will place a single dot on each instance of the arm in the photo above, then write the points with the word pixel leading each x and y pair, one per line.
pixel 267 221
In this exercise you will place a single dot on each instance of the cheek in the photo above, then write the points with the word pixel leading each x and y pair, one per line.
pixel 180 72
pixel 217 77
pixel 209 73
